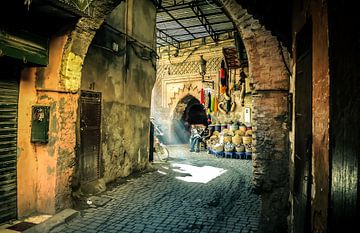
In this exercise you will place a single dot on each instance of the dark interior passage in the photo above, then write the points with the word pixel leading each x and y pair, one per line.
pixel 188 112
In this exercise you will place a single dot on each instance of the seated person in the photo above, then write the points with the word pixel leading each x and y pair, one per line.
pixel 195 138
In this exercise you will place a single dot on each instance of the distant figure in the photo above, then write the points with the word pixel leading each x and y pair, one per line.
pixel 205 135
pixel 195 138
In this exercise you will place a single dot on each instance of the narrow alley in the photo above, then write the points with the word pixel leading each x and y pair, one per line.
pixel 164 200
pixel 131 116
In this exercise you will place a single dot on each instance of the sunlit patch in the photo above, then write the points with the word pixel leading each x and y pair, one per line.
pixel 167 168
pixel 161 172
pixel 197 174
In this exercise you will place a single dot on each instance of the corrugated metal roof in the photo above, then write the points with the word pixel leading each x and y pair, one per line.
pixel 183 20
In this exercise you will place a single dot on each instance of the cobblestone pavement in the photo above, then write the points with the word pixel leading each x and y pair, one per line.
pixel 162 201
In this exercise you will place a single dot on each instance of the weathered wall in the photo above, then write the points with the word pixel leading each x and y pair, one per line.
pixel 125 81
pixel 45 170
pixel 270 83
pixel 317 11
pixel 38 163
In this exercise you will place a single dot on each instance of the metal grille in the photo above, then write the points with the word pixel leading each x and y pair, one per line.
pixel 8 146
pixel 186 20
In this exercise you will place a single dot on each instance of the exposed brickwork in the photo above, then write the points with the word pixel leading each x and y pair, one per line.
pixel 79 42
pixel 270 84
pixel 70 78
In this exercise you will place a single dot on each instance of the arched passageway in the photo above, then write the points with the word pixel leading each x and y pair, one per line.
pixel 269 84
pixel 124 149
pixel 53 41
pixel 188 111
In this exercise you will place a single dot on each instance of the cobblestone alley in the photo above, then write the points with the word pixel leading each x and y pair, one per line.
pixel 168 201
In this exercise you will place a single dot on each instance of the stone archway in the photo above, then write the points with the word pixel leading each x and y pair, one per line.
pixel 270 85
pixel 182 94
pixel 179 130
pixel 270 88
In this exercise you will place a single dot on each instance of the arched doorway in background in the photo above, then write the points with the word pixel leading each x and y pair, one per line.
pixel 188 111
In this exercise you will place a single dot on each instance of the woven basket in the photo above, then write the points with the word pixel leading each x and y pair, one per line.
pixel 248 132
pixel 237 139
pixel 218 148
pixel 242 128
pixel 247 140
pixel 229 147
pixel 227 139
pixel 248 148
pixel 240 148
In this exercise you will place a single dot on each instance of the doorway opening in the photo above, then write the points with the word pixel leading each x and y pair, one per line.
pixel 188 112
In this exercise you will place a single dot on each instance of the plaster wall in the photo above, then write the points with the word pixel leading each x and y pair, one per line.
pixel 125 81
pixel 38 164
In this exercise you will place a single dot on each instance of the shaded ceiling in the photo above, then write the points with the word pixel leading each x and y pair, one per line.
pixel 185 20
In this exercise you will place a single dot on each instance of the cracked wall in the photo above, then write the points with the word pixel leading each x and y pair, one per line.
pixel 125 81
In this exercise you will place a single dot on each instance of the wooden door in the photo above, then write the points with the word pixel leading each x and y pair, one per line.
pixel 90 117
pixel 303 131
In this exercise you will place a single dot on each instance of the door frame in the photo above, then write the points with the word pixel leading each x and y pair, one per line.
pixel 303 52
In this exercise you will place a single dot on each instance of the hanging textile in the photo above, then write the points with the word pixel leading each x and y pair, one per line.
pixel 215 105
pixel 209 101
pixel 202 96
pixel 223 81
pixel 212 104
pixel 222 73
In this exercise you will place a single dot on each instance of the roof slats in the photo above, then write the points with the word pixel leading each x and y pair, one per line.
pixel 184 20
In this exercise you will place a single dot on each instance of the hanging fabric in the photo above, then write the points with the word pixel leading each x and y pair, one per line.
pixel 212 104
pixel 222 73
pixel 215 105
pixel 209 101
pixel 202 96
pixel 223 81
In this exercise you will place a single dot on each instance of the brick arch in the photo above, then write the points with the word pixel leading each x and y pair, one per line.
pixel 74 52
pixel 270 85
pixel 79 41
